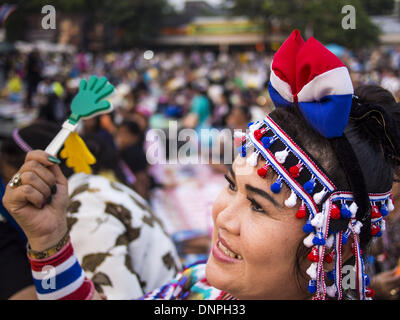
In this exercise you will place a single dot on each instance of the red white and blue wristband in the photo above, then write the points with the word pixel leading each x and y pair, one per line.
pixel 60 277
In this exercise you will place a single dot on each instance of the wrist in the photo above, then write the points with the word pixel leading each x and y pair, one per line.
pixel 49 251
pixel 46 242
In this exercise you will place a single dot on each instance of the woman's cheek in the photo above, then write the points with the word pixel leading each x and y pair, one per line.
pixel 267 241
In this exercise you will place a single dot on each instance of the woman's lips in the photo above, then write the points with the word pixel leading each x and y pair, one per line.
pixel 223 253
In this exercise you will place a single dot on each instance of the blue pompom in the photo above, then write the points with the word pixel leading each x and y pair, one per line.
pixel 345 213
pixel 276 186
pixel 312 286
pixel 242 151
pixel 308 228
pixel 331 274
pixel 366 280
pixel 379 234
pixel 384 210
pixel 317 241
pixel 309 186
pixel 267 141
pixel 345 237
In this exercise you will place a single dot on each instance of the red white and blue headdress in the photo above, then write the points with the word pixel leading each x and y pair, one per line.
pixel 309 75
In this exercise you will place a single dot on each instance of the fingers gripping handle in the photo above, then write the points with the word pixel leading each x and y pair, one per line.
pixel 58 141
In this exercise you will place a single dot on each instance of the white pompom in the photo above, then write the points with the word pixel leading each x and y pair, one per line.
pixel 308 241
pixel 329 241
pixel 252 159
pixel 331 291
pixel 383 225
pixel 239 134
pixel 318 220
pixel 254 126
pixel 291 201
pixel 318 196
pixel 357 227
pixel 281 156
pixel 390 205
pixel 312 271
pixel 353 209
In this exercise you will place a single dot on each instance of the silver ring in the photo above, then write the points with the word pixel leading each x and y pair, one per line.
pixel 15 181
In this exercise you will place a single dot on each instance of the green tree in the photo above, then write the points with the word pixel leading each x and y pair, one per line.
pixel 134 22
pixel 323 18
pixel 378 7
pixel 127 22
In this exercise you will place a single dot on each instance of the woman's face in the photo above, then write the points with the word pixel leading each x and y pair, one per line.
pixel 262 235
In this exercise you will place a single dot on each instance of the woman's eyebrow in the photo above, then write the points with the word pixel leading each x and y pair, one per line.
pixel 264 194
pixel 232 173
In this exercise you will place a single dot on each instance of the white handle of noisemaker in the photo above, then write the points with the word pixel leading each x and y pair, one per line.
pixel 58 141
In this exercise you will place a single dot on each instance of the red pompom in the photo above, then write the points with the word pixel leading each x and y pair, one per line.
pixel 262 172
pixel 258 134
pixel 328 258
pixel 369 292
pixel 301 213
pixel 374 230
pixel 375 214
pixel 295 170
pixel 335 212
pixel 313 255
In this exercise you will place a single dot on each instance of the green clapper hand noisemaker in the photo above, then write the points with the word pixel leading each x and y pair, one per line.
pixel 86 104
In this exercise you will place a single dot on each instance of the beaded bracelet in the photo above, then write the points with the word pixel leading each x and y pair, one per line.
pixel 50 251
pixel 60 277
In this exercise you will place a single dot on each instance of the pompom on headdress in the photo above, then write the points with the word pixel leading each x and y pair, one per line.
pixel 309 75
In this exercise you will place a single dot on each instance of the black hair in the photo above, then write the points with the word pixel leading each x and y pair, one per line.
pixel 106 156
pixel 377 96
pixel 134 129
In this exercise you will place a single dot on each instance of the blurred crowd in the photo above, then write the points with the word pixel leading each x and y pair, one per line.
pixel 197 89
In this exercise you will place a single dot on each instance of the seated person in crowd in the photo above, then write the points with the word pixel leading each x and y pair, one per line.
pixel 130 143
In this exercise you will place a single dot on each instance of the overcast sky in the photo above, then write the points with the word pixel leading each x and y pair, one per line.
pixel 178 4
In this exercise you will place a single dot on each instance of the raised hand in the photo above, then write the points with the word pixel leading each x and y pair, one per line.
pixel 43 222
pixel 88 101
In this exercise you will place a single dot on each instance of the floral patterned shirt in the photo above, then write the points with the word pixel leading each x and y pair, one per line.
pixel 190 284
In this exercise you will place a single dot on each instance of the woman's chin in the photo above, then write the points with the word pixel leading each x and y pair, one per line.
pixel 218 276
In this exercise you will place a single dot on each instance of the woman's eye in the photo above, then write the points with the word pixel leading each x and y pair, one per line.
pixel 255 206
pixel 232 186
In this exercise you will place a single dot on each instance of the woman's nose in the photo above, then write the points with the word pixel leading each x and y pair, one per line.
pixel 229 217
